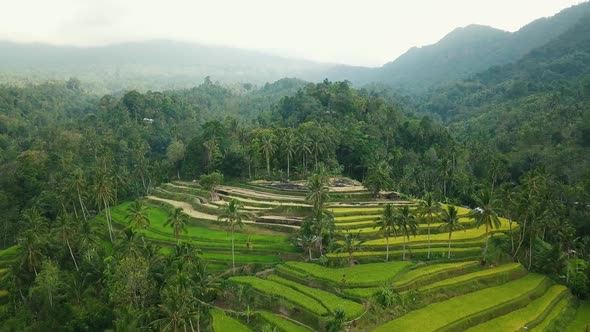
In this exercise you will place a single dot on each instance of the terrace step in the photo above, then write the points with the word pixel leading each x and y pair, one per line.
pixel 581 321
pixel 223 323
pixel 558 310
pixel 461 312
pixel 527 317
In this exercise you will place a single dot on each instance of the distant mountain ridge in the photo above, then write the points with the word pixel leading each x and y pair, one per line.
pixel 155 65
pixel 463 52
pixel 164 65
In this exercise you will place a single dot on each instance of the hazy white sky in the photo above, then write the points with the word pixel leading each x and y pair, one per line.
pixel 367 32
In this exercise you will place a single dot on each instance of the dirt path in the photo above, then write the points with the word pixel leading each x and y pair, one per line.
pixel 188 209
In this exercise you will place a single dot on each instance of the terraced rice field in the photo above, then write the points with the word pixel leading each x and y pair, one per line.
pixel 283 292
pixel 356 276
pixel 282 323
pixel 506 269
pixel 581 321
pixel 526 317
pixel 215 242
pixel 457 295
pixel 223 323
pixel 465 310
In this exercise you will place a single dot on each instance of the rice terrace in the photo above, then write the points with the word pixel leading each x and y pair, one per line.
pixel 382 272
pixel 290 166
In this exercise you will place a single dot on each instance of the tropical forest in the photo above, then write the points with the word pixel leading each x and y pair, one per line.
pixel 169 186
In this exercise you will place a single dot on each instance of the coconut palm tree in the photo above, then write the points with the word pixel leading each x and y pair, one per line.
pixel 177 220
pixel 304 149
pixel 30 246
pixel 232 215
pixel 79 186
pixel 322 225
pixel 450 223
pixel 268 147
pixel 137 215
pixel 406 223
pixel 352 243
pixel 427 209
pixel 212 148
pixel 307 241
pixel 486 213
pixel 318 191
pixel 387 226
pixel 288 145
pixel 104 193
pixel 65 231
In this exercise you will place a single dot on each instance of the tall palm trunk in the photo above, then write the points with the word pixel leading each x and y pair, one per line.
pixel 233 255
pixel 387 249
pixel 449 254
pixel 521 240
pixel 404 250
pixel 268 165
pixel 511 235
pixel 429 222
pixel 288 167
pixel 532 240
pixel 108 215
pixel 309 252
pixel 72 254
pixel 82 205
pixel 485 251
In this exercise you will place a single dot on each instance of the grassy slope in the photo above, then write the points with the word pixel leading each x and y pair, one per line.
pixel 394 253
pixel 366 274
pixel 329 300
pixel 223 323
pixel 473 276
pixel 431 270
pixel 284 292
pixel 438 315
pixel 468 234
pixel 557 311
pixel 517 320
pixel 582 319
pixel 282 324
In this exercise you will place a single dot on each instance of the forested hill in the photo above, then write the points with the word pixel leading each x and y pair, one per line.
pixel 463 52
pixel 151 65
pixel 534 112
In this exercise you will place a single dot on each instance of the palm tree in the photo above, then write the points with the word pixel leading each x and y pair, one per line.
pixel 268 148
pixel 232 215
pixel 30 246
pixel 289 148
pixel 322 224
pixel 78 185
pixel 485 213
pixel 307 241
pixel 105 194
pixel 177 220
pixel 318 191
pixel 317 148
pixel 406 222
pixel 450 223
pixel 427 209
pixel 304 148
pixel 65 231
pixel 137 215
pixel 338 322
pixel 387 225
pixel 352 243
pixel 212 148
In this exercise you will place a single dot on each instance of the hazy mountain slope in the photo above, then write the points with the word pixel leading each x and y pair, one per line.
pixel 148 65
pixel 462 52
